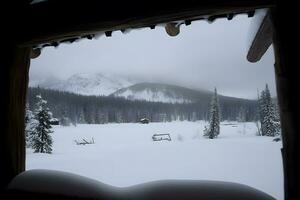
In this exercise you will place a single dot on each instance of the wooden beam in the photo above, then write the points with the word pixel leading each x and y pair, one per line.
pixel 35 53
pixel 14 81
pixel 261 41
pixel 287 84
pixel 55 20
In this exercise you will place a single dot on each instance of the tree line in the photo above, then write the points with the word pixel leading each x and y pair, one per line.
pixel 267 120
pixel 74 108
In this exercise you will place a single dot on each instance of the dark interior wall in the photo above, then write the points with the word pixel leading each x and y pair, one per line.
pixel 287 83
pixel 14 65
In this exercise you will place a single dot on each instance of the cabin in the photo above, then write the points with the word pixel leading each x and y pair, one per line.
pixel 54 121
pixel 144 121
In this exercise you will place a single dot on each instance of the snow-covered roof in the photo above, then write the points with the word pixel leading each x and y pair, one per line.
pixel 144 119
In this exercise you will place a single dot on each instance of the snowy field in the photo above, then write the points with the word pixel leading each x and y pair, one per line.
pixel 124 154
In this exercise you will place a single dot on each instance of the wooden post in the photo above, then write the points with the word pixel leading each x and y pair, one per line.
pixel 14 65
pixel 287 83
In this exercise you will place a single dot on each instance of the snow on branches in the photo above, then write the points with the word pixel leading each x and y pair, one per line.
pixel 39 134
pixel 268 114
pixel 214 118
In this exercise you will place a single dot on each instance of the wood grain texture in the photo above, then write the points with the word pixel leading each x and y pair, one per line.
pixel 14 81
pixel 262 40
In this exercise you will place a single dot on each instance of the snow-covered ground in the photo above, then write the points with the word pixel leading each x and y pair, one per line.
pixel 124 154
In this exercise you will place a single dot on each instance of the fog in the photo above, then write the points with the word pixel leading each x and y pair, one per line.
pixel 202 56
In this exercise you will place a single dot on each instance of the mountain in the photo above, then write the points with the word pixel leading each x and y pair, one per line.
pixel 158 92
pixel 112 85
pixel 109 109
pixel 86 84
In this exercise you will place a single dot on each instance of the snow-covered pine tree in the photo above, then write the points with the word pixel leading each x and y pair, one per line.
pixel 30 122
pixel 41 138
pixel 262 103
pixel 81 119
pixel 64 121
pixel 257 116
pixel 269 122
pixel 214 118
pixel 241 115
pixel 277 119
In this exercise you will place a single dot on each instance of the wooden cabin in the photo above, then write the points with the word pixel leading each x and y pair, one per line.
pixel 54 121
pixel 144 121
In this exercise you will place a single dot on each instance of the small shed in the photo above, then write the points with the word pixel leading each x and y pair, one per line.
pixel 54 121
pixel 144 121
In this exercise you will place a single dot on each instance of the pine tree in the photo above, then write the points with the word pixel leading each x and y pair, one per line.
pixel 257 116
pixel 30 123
pixel 270 125
pixel 65 121
pixel 41 138
pixel 242 115
pixel 262 103
pixel 277 119
pixel 81 119
pixel 214 118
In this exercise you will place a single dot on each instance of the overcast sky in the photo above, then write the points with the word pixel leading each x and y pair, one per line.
pixel 202 56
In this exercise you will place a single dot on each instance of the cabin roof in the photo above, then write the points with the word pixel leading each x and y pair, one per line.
pixel 71 21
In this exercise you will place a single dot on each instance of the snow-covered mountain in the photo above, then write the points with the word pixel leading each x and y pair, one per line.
pixel 119 86
pixel 86 84
pixel 157 92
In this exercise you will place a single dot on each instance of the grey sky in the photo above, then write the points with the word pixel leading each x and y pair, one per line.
pixel 203 55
